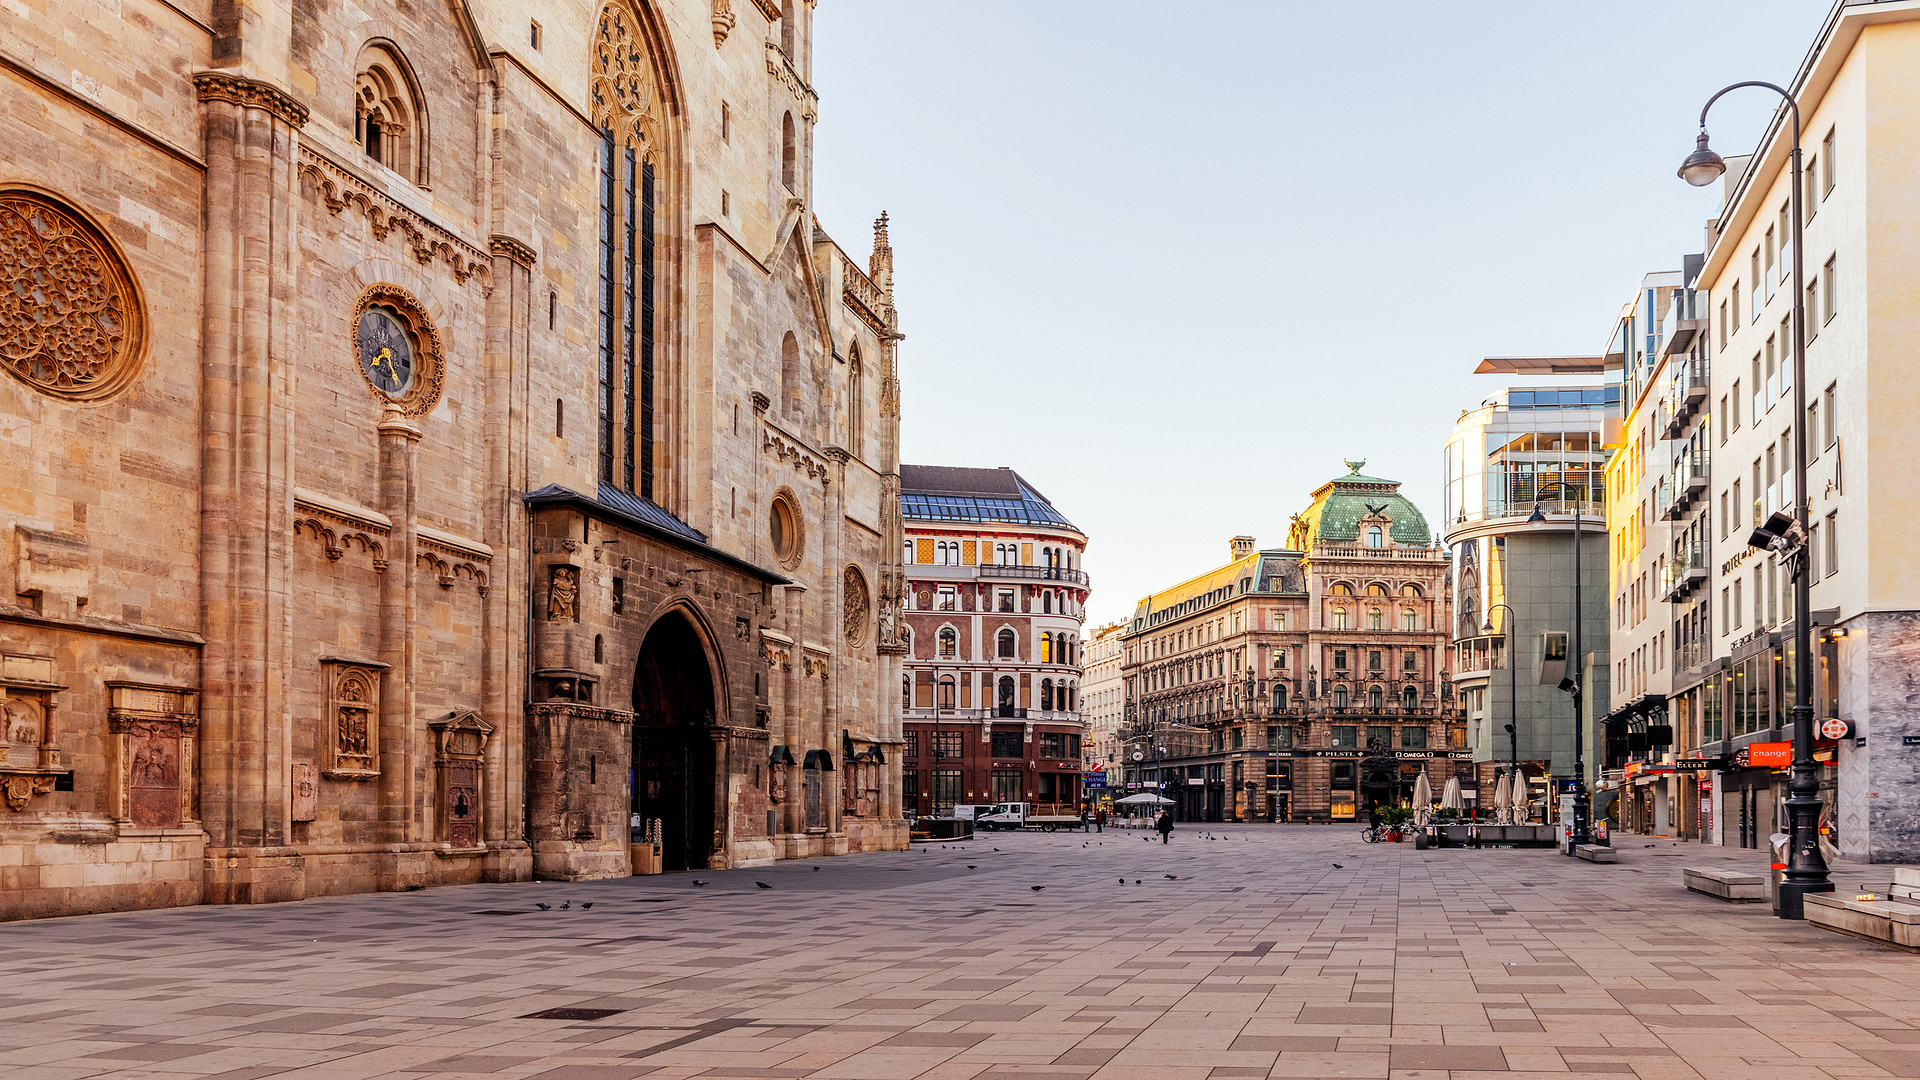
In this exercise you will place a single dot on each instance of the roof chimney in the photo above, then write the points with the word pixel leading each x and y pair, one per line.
pixel 1242 546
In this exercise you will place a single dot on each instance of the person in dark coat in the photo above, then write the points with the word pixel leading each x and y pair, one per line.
pixel 1164 824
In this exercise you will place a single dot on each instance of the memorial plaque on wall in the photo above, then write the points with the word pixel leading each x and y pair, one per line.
pixel 153 779
pixel 306 791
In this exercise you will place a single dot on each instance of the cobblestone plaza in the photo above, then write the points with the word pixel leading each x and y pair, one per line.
pixel 1291 951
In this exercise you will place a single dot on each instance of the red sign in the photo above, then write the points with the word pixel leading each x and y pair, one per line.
pixel 1770 755
pixel 1835 728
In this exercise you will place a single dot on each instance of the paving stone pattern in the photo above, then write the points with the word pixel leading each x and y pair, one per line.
pixel 1257 958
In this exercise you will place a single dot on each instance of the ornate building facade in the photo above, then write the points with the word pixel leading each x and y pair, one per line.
pixel 1304 683
pixel 995 602
pixel 442 442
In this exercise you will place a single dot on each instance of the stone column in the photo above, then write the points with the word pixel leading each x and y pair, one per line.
pixel 511 304
pixel 832 631
pixel 251 139
pixel 398 436
pixel 793 706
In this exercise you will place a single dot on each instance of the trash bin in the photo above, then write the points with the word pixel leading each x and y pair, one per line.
pixel 1779 873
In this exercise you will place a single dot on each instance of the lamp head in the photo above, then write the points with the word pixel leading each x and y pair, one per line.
pixel 1536 517
pixel 1703 166
pixel 1488 628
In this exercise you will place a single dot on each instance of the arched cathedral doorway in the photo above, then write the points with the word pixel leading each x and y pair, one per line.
pixel 673 747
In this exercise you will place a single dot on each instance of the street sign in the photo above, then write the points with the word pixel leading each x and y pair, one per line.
pixel 1770 755
pixel 1702 765
pixel 1835 728
pixel 1095 780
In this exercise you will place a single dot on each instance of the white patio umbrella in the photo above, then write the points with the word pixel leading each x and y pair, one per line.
pixel 1522 801
pixel 1422 799
pixel 1498 810
pixel 1145 798
pixel 1450 795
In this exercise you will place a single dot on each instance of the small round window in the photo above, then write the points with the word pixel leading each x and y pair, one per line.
pixel 785 530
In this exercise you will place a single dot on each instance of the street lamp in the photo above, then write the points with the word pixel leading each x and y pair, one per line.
pixel 1806 867
pixel 1571 683
pixel 1513 691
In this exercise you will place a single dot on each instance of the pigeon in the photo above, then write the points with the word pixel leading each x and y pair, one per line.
pixel 415 888
pixel 544 907
pixel 697 882
pixel 1036 888
pixel 970 866
pixel 1123 881
pixel 763 884
pixel 816 869
pixel 565 904
pixel 1136 881
pixel 1337 866
pixel 586 905
pixel 1171 877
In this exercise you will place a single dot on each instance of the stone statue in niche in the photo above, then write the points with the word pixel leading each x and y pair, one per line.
pixel 22 723
pixel 777 782
pixel 561 594
pixel 353 731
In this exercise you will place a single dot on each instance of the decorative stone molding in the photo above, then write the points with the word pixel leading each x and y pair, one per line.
pixel 760 401
pixel 338 543
pixel 249 93
pixel 72 319
pixel 153 731
pixel 837 454
pixel 507 247
pixel 784 449
pixel 857 606
pixel 460 750
pixel 29 731
pixel 428 241
pixel 723 21
pixel 769 8
pixel 785 74
pixel 352 723
pixel 429 361
pixel 624 86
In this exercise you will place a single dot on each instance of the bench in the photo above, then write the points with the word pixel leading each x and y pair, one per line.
pixel 1733 886
pixel 1906 884
pixel 1595 853
pixel 1884 922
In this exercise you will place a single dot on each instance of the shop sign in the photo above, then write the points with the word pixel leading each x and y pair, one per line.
pixel 1910 740
pixel 1095 780
pixel 1770 755
pixel 1834 728
pixel 1634 768
pixel 1698 765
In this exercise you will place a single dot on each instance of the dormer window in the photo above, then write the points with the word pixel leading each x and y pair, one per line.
pixel 1376 537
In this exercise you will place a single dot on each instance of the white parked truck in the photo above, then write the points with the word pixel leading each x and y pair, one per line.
pixel 1019 815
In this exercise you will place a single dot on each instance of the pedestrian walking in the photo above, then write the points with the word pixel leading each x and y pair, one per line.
pixel 1083 819
pixel 1165 824
pixel 1099 821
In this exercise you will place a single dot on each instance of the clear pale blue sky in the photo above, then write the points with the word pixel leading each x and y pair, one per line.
pixel 1174 261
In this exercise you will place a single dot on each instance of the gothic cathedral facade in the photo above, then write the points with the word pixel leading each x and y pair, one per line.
pixel 442 447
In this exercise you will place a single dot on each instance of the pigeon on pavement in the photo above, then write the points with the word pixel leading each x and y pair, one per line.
pixel 1036 888
pixel 697 881
pixel 1171 877
pixel 763 884
pixel 565 904
pixel 1337 866
pixel 586 905
pixel 544 907
pixel 970 866
pixel 816 869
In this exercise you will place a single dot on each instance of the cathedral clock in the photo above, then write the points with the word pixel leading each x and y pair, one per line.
pixel 397 349
pixel 386 351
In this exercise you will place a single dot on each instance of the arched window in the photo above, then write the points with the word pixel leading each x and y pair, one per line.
pixel 1046 602
pixel 1008 644
pixel 1410 590
pixel 1339 618
pixel 856 403
pixel 1340 588
pixel 792 389
pixel 1409 620
pixel 1373 618
pixel 1376 589
pixel 1279 697
pixel 906 691
pixel 1410 698
pixel 389 122
pixel 949 642
pixel 946 692
pixel 1375 537
pixel 1340 699
pixel 1046 695
pixel 1046 648
pixel 1375 699
pixel 1003 698
pixel 906 552
pixel 789 157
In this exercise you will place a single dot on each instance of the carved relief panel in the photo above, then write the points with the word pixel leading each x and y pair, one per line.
pixel 460 747
pixel 154 730
pixel 29 750
pixel 349 733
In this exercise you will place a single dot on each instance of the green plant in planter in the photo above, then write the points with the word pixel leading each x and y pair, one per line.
pixel 1446 815
pixel 1395 817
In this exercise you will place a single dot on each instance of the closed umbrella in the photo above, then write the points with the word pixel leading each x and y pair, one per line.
pixel 1499 808
pixel 1450 795
pixel 1422 799
pixel 1144 798
pixel 1522 804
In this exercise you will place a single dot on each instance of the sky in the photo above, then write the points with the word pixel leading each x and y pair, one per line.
pixel 1174 262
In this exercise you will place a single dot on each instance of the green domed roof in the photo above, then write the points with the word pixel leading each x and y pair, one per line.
pixel 1340 504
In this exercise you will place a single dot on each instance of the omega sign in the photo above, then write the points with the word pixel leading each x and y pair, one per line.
pixel 1835 728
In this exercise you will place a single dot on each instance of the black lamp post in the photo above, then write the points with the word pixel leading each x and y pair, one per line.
pixel 1571 683
pixel 1806 867
pixel 1513 692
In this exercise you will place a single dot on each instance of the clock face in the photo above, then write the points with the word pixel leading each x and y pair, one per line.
pixel 386 351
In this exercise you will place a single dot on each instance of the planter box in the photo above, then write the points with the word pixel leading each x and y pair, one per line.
pixel 1595 853
pixel 646 858
pixel 1733 886
pixel 1886 922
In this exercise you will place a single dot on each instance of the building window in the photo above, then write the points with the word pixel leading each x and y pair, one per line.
pixel 1833 543
pixel 911 747
pixel 1409 660
pixel 1340 659
pixel 944 693
pixel 533 34
pixel 1007 786
pixel 946 599
pixel 1376 537
pixel 1409 620
pixel 1827 165
pixel 387 121
pixel 1279 775
pixel 1006 600
pixel 1053 745
pixel 783 528
pixel 1279 620
pixel 1339 618
pixel 1007 643
pixel 1375 699
pixel 1006 744
pixel 1410 699
pixel 1279 738
pixel 946 791
pixel 1046 695
pixel 1280 658
pixel 1833 418
pixel 1375 661
pixel 1827 291
pixel 1345 738
pixel 946 745
pixel 1374 617
pixel 1413 738
pixel 1340 699
pixel 949 642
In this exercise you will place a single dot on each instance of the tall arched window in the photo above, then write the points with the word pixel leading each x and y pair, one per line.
pixel 1279 697
pixel 1340 699
pixel 1410 698
pixel 1007 644
pixel 389 121
pixel 1046 602
pixel 1046 695
pixel 949 642
pixel 856 404
pixel 1339 618
pixel 1409 620
pixel 792 389
pixel 1003 696
pixel 1373 618
pixel 626 104
pixel 788 155
pixel 1375 700
pixel 906 691
pixel 946 691
pixel 1375 537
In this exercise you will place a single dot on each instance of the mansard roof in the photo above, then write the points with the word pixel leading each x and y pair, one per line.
pixel 950 493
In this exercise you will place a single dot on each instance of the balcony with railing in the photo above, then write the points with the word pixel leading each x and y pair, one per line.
pixel 1686 571
pixel 1010 572
pixel 1686 485
pixel 1686 317
pixel 1686 395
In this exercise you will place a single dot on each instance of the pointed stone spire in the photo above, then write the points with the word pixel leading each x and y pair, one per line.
pixel 880 265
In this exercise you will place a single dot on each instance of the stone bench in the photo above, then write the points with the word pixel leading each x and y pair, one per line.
pixel 1595 853
pixel 1733 886
pixel 1906 884
pixel 1885 922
